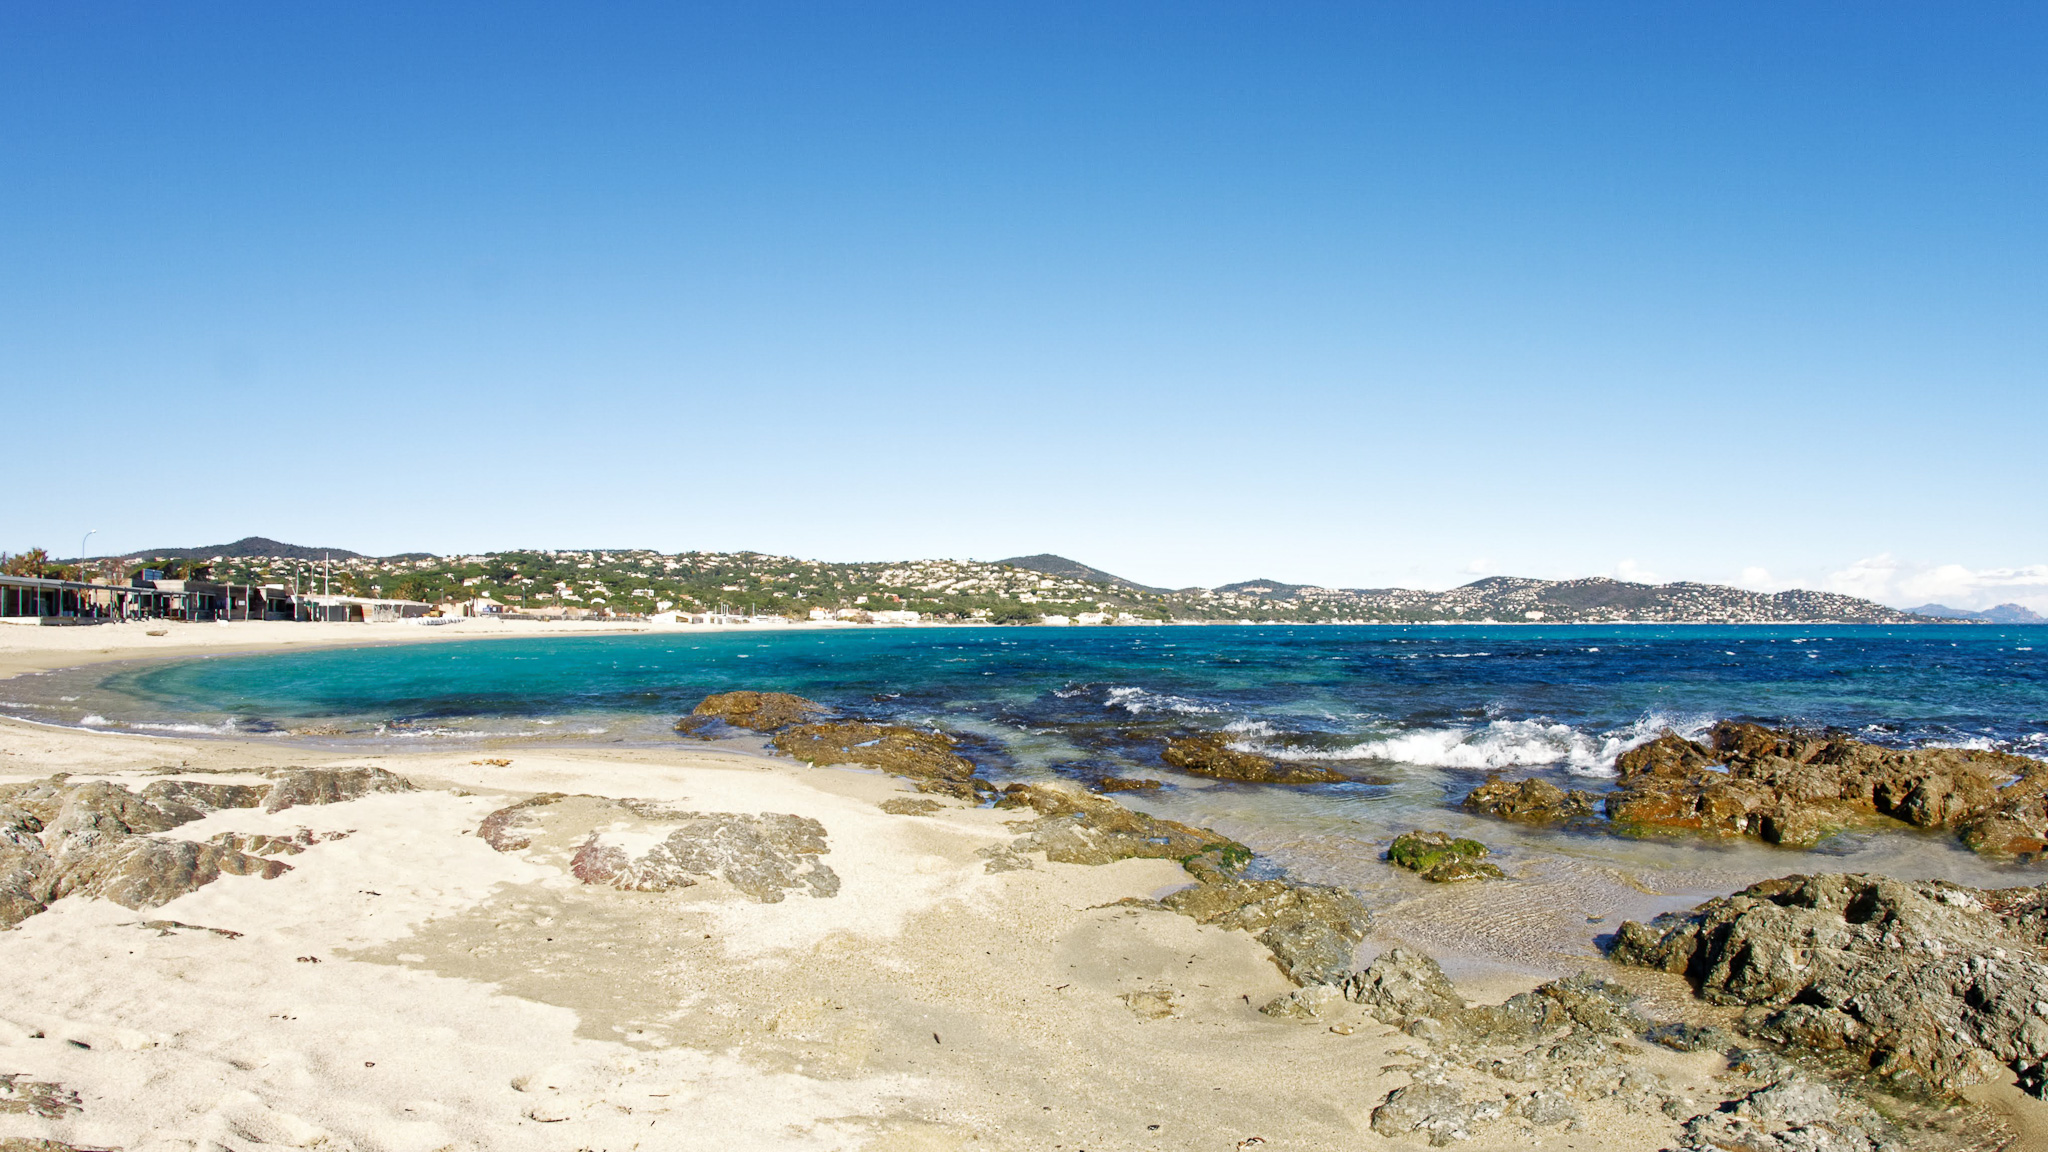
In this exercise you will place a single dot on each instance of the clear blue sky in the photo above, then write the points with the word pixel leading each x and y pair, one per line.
pixel 1348 294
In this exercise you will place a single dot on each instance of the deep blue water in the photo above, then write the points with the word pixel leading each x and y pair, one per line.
pixel 1466 696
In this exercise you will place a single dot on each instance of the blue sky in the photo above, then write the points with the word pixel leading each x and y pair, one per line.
pixel 1349 294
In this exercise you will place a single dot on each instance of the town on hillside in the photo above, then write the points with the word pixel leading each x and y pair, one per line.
pixel 260 579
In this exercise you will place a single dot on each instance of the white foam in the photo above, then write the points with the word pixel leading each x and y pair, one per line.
pixel 1137 701
pixel 220 729
pixel 1515 744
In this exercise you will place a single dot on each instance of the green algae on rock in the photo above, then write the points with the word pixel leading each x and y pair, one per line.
pixel 926 757
pixel 1440 857
pixel 1532 801
pixel 756 711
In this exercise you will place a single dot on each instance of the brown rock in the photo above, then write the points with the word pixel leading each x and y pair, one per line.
pixel 146 871
pixel 1917 980
pixel 926 757
pixel 511 828
pixel 1532 801
pixel 1311 929
pixel 296 786
pixel 1211 755
pixel 1124 784
pixel 757 711
pixel 1077 827
pixel 1796 788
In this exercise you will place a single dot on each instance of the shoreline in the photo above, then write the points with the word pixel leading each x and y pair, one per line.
pixel 25 649
pixel 446 987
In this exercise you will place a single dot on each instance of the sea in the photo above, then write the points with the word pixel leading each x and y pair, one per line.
pixel 1416 715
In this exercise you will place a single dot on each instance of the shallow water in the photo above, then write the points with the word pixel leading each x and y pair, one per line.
pixel 1423 712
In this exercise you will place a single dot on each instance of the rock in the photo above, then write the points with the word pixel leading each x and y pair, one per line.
pixel 1438 1110
pixel 926 757
pixel 60 839
pixel 1919 981
pixel 764 856
pixel 1124 784
pixel 1211 755
pixel 297 786
pixel 1400 985
pixel 511 828
pixel 757 711
pixel 1797 788
pixel 1312 930
pixel 910 806
pixel 1075 826
pixel 1795 1114
pixel 200 799
pixel 43 1098
pixel 1312 1002
pixel 267 844
pixel 1440 857
pixel 1152 1003
pixel 1532 801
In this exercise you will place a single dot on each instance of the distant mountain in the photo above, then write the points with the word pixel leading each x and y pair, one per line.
pixel 1512 598
pixel 2002 614
pixel 1067 569
pixel 247 546
pixel 1267 589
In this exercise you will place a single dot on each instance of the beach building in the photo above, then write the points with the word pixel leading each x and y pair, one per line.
pixel 26 599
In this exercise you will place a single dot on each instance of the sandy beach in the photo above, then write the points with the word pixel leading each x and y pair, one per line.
pixel 429 976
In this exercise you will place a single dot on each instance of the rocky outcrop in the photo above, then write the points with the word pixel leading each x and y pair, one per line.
pixel 1795 788
pixel 1313 930
pixel 1441 857
pixel 755 711
pixel 96 838
pixel 598 839
pixel 1532 801
pixel 1075 826
pixel 1919 981
pixel 764 856
pixel 42 1098
pixel 928 758
pixel 1210 754
pixel 1560 1054
pixel 298 786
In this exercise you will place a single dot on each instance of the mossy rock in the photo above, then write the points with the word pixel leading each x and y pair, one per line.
pixel 1440 857
pixel 759 711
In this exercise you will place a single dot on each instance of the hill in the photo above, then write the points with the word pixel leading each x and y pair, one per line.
pixel 248 547
pixel 1067 569
pixel 2001 614
pixel 1022 589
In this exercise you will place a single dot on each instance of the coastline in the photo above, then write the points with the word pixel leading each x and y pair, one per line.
pixel 487 1000
pixel 414 982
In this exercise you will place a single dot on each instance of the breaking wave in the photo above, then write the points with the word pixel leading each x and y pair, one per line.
pixel 1511 744
pixel 1138 701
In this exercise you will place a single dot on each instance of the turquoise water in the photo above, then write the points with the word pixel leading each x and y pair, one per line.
pixel 1418 715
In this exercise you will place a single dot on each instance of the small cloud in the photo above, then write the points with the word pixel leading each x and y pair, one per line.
pixel 1869 578
pixel 1635 573
pixel 1479 567
pixel 1887 580
pixel 1758 579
